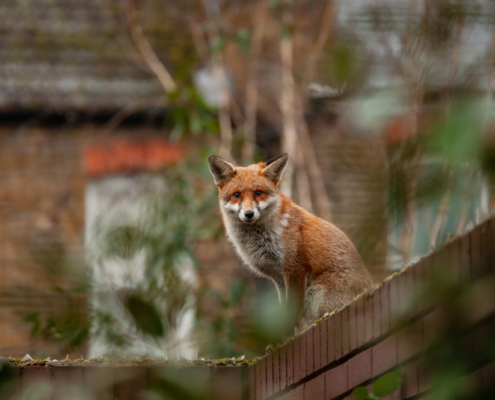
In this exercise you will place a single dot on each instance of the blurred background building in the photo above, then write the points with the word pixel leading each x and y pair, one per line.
pixel 88 124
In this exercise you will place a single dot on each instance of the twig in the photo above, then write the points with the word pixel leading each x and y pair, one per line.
pixel 146 50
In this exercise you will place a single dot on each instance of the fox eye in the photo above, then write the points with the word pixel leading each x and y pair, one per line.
pixel 236 195
pixel 258 193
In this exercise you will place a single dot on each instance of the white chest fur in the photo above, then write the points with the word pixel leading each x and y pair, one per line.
pixel 260 244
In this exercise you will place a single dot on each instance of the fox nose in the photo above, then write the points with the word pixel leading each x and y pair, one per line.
pixel 249 214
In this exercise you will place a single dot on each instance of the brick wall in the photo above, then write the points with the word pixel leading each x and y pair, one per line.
pixel 43 177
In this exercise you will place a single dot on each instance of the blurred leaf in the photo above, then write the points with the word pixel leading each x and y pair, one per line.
pixel 123 241
pixel 195 124
pixel 217 44
pixel 35 320
pixel 243 40
pixel 343 62
pixel 360 393
pixel 237 289
pixel 145 316
pixel 458 136
pixel 387 384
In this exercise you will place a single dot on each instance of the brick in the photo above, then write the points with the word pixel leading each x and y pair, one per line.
pixel 384 355
pixel 324 342
pixel 310 351
pixel 336 382
pixel 475 245
pixel 276 371
pixel 30 376
pixel 315 388
pixel 283 367
pixel 303 355
pixel 67 383
pixel 297 359
pixel 352 326
pixel 385 307
pixel 269 375
pixel 226 383
pixel 290 363
pixel 359 369
pixel 346 340
pixel 317 350
pixel 251 383
pixel 331 339
pixel 368 318
pixel 258 377
pixel 360 322
pixel 393 289
pixel 338 335
pixel 262 380
pixel 130 383
pixel 99 382
pixel 377 318
pixel 410 385
pixel 409 341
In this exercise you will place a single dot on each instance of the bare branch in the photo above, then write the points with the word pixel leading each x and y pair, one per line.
pixel 327 25
pixel 251 105
pixel 287 105
pixel 147 51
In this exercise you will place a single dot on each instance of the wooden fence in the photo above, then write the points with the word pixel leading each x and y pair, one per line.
pixel 379 332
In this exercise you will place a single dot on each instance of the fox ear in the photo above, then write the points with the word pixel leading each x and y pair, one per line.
pixel 221 170
pixel 275 167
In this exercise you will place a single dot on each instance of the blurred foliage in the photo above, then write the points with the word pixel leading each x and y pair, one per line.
pixel 190 114
pixel 383 387
pixel 69 326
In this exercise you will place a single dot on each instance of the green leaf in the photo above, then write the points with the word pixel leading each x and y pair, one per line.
pixel 237 289
pixel 243 40
pixel 145 316
pixel 195 124
pixel 217 44
pixel 387 384
pixel 360 393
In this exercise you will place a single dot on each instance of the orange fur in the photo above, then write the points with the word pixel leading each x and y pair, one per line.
pixel 315 261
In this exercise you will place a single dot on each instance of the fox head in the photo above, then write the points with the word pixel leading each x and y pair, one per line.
pixel 248 193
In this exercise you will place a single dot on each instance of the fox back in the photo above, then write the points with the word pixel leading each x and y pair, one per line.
pixel 277 239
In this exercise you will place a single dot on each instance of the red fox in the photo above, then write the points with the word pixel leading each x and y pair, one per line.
pixel 320 267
